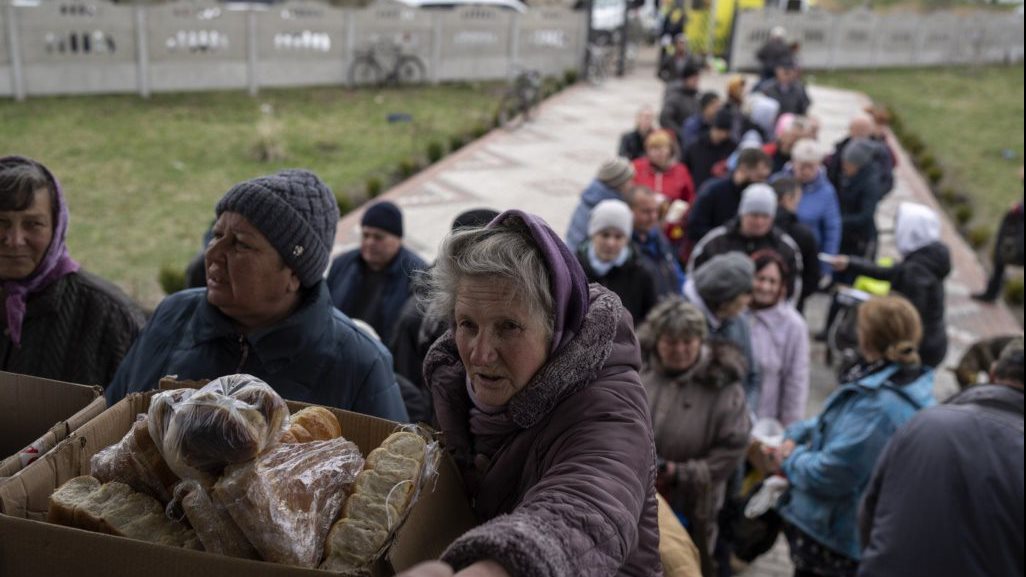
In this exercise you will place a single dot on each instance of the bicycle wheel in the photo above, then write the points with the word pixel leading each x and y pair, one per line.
pixel 365 72
pixel 410 70
pixel 509 112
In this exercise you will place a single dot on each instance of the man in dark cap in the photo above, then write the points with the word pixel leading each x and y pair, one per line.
pixel 372 282
pixel 266 310
pixel 707 157
pixel 787 88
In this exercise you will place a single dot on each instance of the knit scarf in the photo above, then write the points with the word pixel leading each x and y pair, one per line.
pixel 55 262
pixel 490 426
pixel 602 267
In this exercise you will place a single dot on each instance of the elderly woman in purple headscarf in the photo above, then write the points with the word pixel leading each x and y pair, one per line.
pixel 537 392
pixel 59 322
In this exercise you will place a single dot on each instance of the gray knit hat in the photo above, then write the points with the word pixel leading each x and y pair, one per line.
pixel 858 151
pixel 615 172
pixel 724 277
pixel 758 198
pixel 297 213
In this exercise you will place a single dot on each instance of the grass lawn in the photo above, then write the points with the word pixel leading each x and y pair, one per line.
pixel 142 176
pixel 971 120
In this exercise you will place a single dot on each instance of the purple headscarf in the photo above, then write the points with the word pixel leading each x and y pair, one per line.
pixel 568 283
pixel 55 263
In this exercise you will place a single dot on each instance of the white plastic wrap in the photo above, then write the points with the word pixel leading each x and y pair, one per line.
pixel 285 500
pixel 230 420
pixel 213 525
pixel 135 461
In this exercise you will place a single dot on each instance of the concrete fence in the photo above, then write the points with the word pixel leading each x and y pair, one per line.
pixel 864 39
pixel 94 46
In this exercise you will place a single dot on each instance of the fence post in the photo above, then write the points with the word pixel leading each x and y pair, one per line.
pixel 142 52
pixel 251 51
pixel 14 49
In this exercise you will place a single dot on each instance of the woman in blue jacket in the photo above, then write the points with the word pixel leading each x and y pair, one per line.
pixel 828 459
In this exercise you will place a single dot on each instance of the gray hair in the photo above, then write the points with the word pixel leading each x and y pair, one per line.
pixel 504 253
pixel 673 317
pixel 1009 366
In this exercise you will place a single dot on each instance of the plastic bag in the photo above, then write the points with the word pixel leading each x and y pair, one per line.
pixel 230 420
pixel 136 461
pixel 213 525
pixel 285 500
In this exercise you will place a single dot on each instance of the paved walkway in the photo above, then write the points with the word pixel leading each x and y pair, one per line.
pixel 543 167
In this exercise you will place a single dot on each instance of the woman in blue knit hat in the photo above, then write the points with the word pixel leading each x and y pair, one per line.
pixel 265 309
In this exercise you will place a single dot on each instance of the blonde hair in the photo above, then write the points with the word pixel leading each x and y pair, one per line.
pixel 659 138
pixel 890 326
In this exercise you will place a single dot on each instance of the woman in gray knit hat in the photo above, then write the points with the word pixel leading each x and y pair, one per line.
pixel 265 309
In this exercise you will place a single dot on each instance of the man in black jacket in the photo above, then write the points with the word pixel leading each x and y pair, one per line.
pixel 718 199
pixel 946 497
pixel 789 194
pixel 680 101
pixel 707 157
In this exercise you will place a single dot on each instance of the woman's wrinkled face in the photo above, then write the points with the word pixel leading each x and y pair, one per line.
pixel 500 339
pixel 767 288
pixel 609 243
pixel 806 172
pixel 678 354
pixel 24 237
pixel 246 277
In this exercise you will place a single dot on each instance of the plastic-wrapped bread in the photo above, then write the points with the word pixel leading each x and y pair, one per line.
pixel 213 525
pixel 115 509
pixel 285 500
pixel 230 420
pixel 312 424
pixel 381 495
pixel 137 462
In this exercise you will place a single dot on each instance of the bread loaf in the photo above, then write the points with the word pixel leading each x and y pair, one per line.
pixel 136 461
pixel 320 423
pixel 381 496
pixel 230 420
pixel 213 525
pixel 115 509
pixel 285 500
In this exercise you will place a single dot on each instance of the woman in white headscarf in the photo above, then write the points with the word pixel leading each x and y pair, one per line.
pixel 920 275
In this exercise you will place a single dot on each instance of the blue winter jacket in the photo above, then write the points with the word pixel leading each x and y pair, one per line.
pixel 657 251
pixel 316 355
pixel 345 281
pixel 820 211
pixel 594 194
pixel 836 451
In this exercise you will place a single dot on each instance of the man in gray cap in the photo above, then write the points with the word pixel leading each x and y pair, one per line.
pixel 722 290
pixel 266 310
pixel 753 230
pixel 611 183
pixel 859 194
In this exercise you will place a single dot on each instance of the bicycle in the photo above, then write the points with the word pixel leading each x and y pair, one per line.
pixel 521 98
pixel 385 64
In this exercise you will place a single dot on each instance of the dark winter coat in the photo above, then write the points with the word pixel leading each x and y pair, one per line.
pixel 412 338
pixel 715 204
pixel 920 279
pixel 632 145
pixel 882 160
pixel 657 251
pixel 728 238
pixel 946 497
pixel 679 103
pixel 346 281
pixel 701 424
pixel 859 196
pixel 572 490
pixel 706 160
pixel 803 237
pixel 792 98
pixel 316 355
pixel 75 330
pixel 633 282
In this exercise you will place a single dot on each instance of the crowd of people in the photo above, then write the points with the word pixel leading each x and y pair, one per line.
pixel 599 391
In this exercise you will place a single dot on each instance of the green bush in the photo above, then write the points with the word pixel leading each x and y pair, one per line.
pixel 570 77
pixel 456 142
pixel 1014 291
pixel 963 214
pixel 171 278
pixel 345 203
pixel 408 167
pixel 479 130
pixel 935 174
pixel 925 161
pixel 435 151
pixel 914 145
pixel 947 194
pixel 373 187
pixel 979 235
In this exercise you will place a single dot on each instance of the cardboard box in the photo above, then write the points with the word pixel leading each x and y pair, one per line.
pixel 36 414
pixel 30 546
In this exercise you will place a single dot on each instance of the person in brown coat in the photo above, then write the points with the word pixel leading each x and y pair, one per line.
pixel 537 394
pixel 699 415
